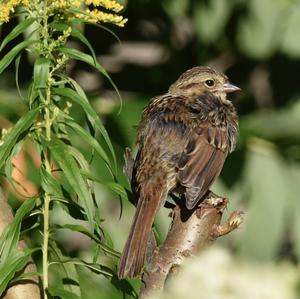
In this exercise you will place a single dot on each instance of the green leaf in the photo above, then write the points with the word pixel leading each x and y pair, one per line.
pixel 9 164
pixel 25 276
pixel 17 67
pixel 294 206
pixel 290 42
pixel 78 228
pixel 41 72
pixel 71 171
pixel 22 125
pixel 285 123
pixel 113 186
pixel 80 98
pixel 61 293
pixel 8 58
pixel 78 55
pixel 267 180
pixel 10 236
pixel 77 34
pixel 97 268
pixel 68 272
pixel 89 140
pixel 259 33
pixel 15 262
pixel 210 18
pixel 50 184
pixel 20 28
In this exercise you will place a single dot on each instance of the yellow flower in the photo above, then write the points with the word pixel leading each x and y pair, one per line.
pixel 93 15
pixel 96 15
pixel 5 8
pixel 107 4
pixel 8 6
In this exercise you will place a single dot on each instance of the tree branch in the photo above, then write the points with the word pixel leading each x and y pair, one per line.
pixel 190 232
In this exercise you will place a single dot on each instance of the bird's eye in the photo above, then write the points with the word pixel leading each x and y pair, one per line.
pixel 210 83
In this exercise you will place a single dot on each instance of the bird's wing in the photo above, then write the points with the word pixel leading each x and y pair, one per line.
pixel 201 162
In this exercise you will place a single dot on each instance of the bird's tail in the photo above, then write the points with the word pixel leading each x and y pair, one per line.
pixel 135 250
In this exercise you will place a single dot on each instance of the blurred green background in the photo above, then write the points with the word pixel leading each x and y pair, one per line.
pixel 257 44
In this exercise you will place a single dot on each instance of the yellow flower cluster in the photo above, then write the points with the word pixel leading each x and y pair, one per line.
pixel 8 6
pixel 95 16
pixel 63 4
pixel 89 15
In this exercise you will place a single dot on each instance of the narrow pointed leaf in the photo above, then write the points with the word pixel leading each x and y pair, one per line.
pixel 50 185
pixel 20 28
pixel 81 100
pixel 41 72
pixel 68 271
pixel 70 169
pixel 22 125
pixel 8 58
pixel 14 263
pixel 10 237
pixel 61 293
pixel 90 140
pixel 78 55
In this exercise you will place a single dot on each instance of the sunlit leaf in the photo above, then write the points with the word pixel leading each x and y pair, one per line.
pixel 210 18
pixel 266 178
pixel 294 205
pixel 290 42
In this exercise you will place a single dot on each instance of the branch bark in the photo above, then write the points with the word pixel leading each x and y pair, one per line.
pixel 23 289
pixel 190 232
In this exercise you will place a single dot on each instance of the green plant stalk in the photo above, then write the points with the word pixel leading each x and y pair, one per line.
pixel 45 243
pixel 47 198
pixel 46 233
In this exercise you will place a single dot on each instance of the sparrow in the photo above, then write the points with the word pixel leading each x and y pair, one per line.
pixel 183 139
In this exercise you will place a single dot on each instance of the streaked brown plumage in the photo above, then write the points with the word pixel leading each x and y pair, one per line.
pixel 183 138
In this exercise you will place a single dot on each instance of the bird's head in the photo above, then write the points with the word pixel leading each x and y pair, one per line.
pixel 200 80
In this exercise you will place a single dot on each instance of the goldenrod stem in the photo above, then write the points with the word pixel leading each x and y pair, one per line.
pixel 45 243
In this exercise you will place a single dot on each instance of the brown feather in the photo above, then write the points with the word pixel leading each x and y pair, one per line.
pixel 135 250
pixel 200 167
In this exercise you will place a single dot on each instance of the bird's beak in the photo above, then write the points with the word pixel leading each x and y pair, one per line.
pixel 228 87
